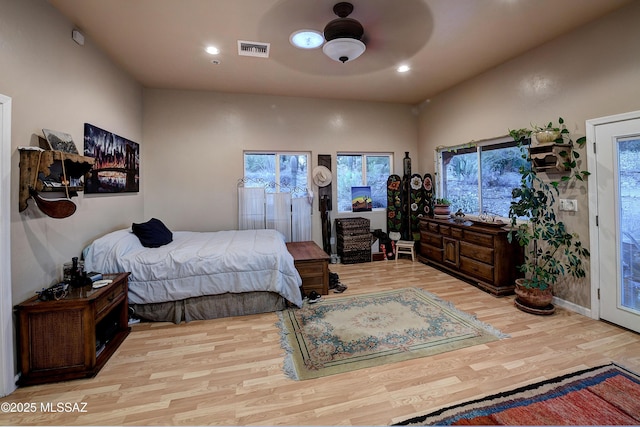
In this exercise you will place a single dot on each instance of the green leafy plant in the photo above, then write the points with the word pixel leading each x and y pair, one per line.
pixel 443 201
pixel 551 251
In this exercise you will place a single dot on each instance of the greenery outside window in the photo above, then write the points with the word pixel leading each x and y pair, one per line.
pixel 278 171
pixel 479 178
pixel 363 169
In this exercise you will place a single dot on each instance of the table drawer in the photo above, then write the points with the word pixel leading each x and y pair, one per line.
pixel 113 296
pixel 310 269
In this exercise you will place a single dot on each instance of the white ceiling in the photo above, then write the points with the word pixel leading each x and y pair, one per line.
pixel 161 42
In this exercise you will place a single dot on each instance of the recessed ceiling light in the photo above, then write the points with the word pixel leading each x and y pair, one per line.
pixel 306 39
pixel 403 68
pixel 212 50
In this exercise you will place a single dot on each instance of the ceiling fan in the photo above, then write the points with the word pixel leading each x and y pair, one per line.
pixel 391 36
pixel 342 37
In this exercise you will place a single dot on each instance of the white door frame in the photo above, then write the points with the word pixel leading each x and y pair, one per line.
pixel 7 374
pixel 593 201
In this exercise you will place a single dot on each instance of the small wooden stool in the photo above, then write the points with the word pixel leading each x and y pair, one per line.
pixel 406 247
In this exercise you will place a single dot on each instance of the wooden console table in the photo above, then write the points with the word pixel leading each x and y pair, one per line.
pixel 313 265
pixel 479 253
pixel 74 336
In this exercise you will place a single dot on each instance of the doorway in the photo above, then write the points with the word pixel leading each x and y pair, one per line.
pixel 7 383
pixel 614 204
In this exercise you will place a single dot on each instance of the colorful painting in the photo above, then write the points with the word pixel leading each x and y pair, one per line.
pixel 361 200
pixel 117 162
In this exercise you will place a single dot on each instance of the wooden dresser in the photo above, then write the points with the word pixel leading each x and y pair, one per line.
pixel 479 253
pixel 74 336
pixel 313 265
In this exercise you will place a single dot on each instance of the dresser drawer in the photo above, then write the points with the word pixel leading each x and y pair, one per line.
pixel 429 252
pixel 456 233
pixel 476 268
pixel 479 253
pixel 113 296
pixel 431 239
pixel 478 238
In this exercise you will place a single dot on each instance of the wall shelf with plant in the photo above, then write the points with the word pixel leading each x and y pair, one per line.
pixel 551 250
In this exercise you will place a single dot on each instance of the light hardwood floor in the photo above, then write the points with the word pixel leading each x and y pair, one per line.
pixel 229 371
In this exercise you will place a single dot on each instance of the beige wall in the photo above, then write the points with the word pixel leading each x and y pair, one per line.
pixel 589 73
pixel 55 83
pixel 193 153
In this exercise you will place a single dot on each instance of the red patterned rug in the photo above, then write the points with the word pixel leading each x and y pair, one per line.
pixel 607 395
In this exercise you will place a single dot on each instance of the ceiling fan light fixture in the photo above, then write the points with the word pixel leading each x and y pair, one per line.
pixel 306 39
pixel 343 35
pixel 343 49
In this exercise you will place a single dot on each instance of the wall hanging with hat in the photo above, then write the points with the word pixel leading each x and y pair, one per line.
pixel 322 177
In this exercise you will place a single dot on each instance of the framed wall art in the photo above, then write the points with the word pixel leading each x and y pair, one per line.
pixel 117 162
pixel 361 199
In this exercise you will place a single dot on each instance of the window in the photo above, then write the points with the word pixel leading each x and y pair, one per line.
pixel 480 178
pixel 355 170
pixel 278 171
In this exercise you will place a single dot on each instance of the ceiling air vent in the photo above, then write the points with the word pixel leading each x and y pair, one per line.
pixel 259 49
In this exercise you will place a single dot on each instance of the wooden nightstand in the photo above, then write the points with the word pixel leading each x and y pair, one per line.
pixel 313 265
pixel 74 336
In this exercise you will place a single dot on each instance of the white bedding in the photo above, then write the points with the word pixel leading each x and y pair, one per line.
pixel 197 264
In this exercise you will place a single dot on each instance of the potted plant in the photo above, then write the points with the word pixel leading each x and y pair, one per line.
pixel 549 133
pixel 442 207
pixel 551 251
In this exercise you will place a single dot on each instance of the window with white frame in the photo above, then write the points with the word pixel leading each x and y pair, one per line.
pixel 363 169
pixel 278 171
pixel 479 177
pixel 274 194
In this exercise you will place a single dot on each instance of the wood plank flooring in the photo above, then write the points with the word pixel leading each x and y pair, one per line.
pixel 229 371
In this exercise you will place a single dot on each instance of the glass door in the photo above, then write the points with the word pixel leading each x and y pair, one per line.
pixel 618 205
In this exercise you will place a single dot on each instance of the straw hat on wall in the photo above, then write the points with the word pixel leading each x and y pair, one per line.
pixel 321 176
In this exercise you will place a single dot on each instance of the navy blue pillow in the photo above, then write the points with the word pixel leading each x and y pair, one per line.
pixel 153 233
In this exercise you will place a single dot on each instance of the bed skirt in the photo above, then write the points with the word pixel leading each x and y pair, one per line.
pixel 210 307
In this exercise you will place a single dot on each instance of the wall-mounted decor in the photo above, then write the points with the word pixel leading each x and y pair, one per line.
pixel 60 141
pixel 117 162
pixel 361 200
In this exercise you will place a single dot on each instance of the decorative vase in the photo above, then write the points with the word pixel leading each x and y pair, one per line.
pixel 406 162
pixel 534 298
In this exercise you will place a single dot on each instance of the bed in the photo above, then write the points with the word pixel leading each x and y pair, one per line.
pixel 200 275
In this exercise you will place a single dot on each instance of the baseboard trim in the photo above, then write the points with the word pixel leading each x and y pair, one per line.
pixel 572 306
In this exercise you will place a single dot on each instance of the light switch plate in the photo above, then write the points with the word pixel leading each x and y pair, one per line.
pixel 570 205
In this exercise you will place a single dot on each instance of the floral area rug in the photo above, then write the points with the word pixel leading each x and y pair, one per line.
pixel 606 395
pixel 343 334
